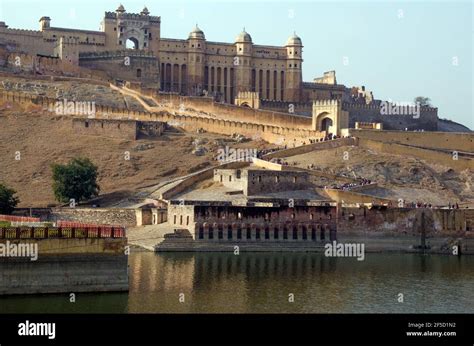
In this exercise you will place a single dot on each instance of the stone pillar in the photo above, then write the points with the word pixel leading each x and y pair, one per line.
pixel 228 96
pixel 179 78
pixel 253 232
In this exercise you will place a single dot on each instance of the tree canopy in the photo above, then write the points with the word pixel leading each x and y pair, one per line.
pixel 8 200
pixel 76 180
pixel 423 101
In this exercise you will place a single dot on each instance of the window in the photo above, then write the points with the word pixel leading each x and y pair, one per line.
pixel 277 179
pixel 139 73
pixel 259 179
pixel 174 219
pixel 86 124
pixel 181 219
pixel 238 173
pixel 230 178
pixel 294 180
pixel 187 220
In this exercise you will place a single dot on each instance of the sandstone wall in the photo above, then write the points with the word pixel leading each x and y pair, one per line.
pixel 437 140
pixel 428 119
pixel 107 216
pixel 433 156
pixel 311 147
pixel 126 129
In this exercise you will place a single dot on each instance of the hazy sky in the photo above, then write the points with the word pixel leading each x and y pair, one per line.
pixel 397 49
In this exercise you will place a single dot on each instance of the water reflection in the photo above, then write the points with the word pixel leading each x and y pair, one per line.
pixel 223 282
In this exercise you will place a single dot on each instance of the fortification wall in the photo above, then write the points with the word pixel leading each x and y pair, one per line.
pixel 300 108
pixel 227 111
pixel 17 62
pixel 438 140
pixel 352 197
pixel 104 216
pixel 403 221
pixel 311 147
pixel 432 156
pixel 140 67
pixel 428 119
pixel 28 41
pixel 126 129
pixel 291 137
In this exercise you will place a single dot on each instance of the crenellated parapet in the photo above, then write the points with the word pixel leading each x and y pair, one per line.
pixel 117 54
pixel 133 16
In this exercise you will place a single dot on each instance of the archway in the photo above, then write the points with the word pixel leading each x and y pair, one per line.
pixel 131 43
pixel 326 124
pixel 324 121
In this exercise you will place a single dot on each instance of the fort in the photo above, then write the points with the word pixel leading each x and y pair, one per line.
pixel 129 47
pixel 299 191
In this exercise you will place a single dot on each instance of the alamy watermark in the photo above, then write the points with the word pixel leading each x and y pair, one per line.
pixel 228 154
pixel 66 107
pixel 336 249
pixel 10 249
pixel 400 108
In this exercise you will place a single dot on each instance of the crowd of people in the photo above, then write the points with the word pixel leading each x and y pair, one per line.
pixel 416 205
pixel 350 186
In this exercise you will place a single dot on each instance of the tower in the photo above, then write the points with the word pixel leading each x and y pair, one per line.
pixel 196 62
pixel 243 61
pixel 141 29
pixel 44 23
pixel 294 61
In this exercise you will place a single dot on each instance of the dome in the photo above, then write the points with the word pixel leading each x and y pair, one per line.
pixel 243 37
pixel 294 40
pixel 197 34
pixel 120 9
pixel 145 11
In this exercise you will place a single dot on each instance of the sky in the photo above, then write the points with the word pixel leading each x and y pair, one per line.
pixel 397 49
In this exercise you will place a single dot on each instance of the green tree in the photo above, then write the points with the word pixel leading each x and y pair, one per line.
pixel 76 180
pixel 423 101
pixel 8 201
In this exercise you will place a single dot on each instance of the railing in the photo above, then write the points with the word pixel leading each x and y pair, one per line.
pixel 61 232
pixel 78 224
pixel 18 218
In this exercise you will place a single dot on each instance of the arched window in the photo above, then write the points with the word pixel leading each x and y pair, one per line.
pixel 131 43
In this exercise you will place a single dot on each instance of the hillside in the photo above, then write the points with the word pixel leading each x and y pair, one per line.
pixel 42 139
